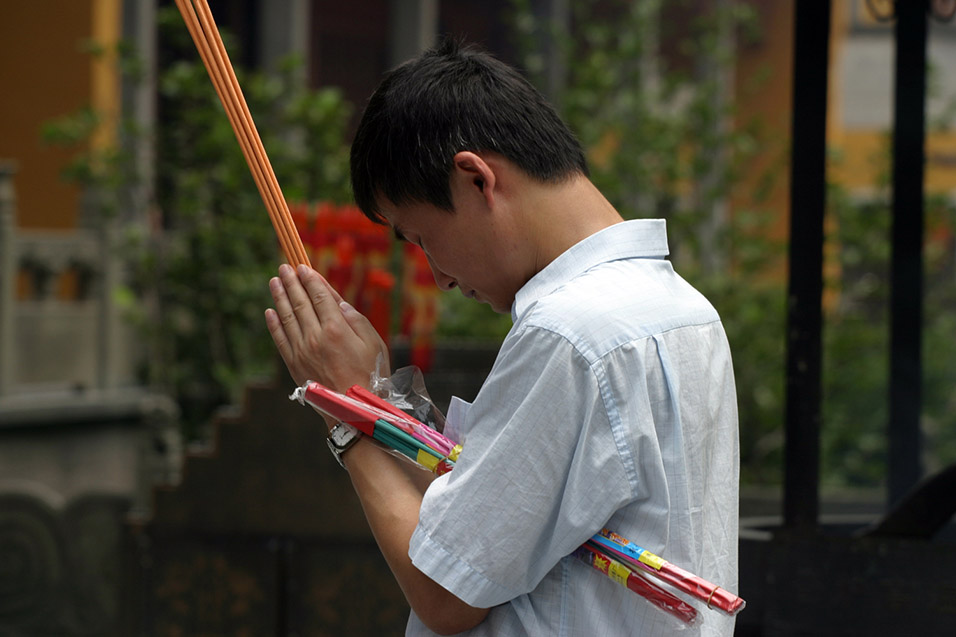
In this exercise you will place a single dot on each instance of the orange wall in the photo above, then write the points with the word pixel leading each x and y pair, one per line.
pixel 44 73
pixel 764 95
pixel 763 101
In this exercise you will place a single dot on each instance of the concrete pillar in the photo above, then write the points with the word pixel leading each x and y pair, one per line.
pixel 412 28
pixel 8 273
pixel 714 67
pixel 556 16
pixel 284 29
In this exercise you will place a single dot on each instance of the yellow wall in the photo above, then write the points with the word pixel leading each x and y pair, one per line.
pixel 105 80
pixel 45 73
pixel 861 159
pixel 860 156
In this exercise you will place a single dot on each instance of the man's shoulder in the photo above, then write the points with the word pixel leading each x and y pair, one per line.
pixel 619 301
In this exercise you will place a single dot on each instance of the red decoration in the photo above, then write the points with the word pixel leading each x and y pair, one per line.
pixel 353 254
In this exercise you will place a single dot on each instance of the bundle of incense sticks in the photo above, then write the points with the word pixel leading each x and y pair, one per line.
pixel 630 579
pixel 615 556
pixel 384 423
pixel 625 550
pixel 427 447
pixel 205 35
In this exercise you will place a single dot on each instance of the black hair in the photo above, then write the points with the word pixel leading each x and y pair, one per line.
pixel 449 99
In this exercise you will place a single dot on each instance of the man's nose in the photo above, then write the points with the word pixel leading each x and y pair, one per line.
pixel 442 280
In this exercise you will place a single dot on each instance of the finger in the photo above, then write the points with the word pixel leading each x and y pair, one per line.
pixel 276 330
pixel 335 293
pixel 300 301
pixel 285 313
pixel 361 326
pixel 324 298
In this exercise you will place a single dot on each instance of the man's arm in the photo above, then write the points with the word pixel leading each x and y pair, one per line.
pixel 392 502
pixel 323 339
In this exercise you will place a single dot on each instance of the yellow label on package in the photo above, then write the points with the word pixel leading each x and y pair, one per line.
pixel 652 560
pixel 618 572
pixel 427 460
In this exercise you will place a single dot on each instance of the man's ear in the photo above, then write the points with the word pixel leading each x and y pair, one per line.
pixel 477 173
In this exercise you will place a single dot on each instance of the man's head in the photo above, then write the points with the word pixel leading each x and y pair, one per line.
pixel 452 99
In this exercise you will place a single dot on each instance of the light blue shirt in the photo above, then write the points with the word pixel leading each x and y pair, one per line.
pixel 611 403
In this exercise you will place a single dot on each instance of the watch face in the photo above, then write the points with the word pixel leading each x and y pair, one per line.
pixel 341 435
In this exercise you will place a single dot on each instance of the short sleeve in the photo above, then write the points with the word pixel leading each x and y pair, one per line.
pixel 539 473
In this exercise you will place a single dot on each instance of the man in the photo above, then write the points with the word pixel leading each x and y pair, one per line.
pixel 611 403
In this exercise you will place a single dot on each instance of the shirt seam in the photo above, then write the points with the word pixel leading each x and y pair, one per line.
pixel 615 424
pixel 597 368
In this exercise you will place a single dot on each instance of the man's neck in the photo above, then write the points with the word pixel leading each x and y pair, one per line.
pixel 559 216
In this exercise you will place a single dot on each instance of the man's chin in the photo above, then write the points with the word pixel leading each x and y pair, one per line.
pixel 474 296
pixel 497 309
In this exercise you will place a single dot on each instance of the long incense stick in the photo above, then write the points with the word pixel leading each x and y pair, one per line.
pixel 202 28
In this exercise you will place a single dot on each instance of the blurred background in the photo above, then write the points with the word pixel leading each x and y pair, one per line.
pixel 156 480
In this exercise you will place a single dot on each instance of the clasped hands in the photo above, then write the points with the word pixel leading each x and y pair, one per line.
pixel 319 335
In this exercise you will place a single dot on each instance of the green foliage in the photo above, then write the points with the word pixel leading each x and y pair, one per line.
pixel 856 345
pixel 206 275
pixel 856 359
pixel 856 339
pixel 198 271
pixel 463 319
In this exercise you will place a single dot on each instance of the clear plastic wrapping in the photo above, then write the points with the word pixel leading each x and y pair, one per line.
pixel 405 389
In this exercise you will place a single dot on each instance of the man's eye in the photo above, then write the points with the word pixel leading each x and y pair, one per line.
pixel 401 237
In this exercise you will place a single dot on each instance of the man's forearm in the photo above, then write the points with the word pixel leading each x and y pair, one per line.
pixel 392 499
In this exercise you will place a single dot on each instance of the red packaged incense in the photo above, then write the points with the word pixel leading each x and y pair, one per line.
pixel 627 577
pixel 695 586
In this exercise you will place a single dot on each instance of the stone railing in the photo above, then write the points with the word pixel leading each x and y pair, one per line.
pixel 57 323
pixel 8 264
pixel 81 446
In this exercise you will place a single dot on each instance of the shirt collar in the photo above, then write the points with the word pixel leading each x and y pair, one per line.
pixel 637 238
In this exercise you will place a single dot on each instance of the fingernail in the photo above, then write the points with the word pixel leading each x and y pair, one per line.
pixel 345 307
pixel 275 284
pixel 302 269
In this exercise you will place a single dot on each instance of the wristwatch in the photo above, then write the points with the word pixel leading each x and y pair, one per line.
pixel 341 437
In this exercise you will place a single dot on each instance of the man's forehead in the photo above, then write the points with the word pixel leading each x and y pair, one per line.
pixel 407 216
pixel 395 215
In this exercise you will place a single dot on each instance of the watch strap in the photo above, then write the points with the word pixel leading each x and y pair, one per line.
pixel 341 438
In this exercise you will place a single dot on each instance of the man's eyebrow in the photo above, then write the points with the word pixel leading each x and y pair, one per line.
pixel 398 234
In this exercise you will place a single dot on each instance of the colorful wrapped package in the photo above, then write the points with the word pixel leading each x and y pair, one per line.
pixel 615 556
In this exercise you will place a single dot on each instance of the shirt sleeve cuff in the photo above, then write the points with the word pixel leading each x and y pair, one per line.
pixel 453 574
